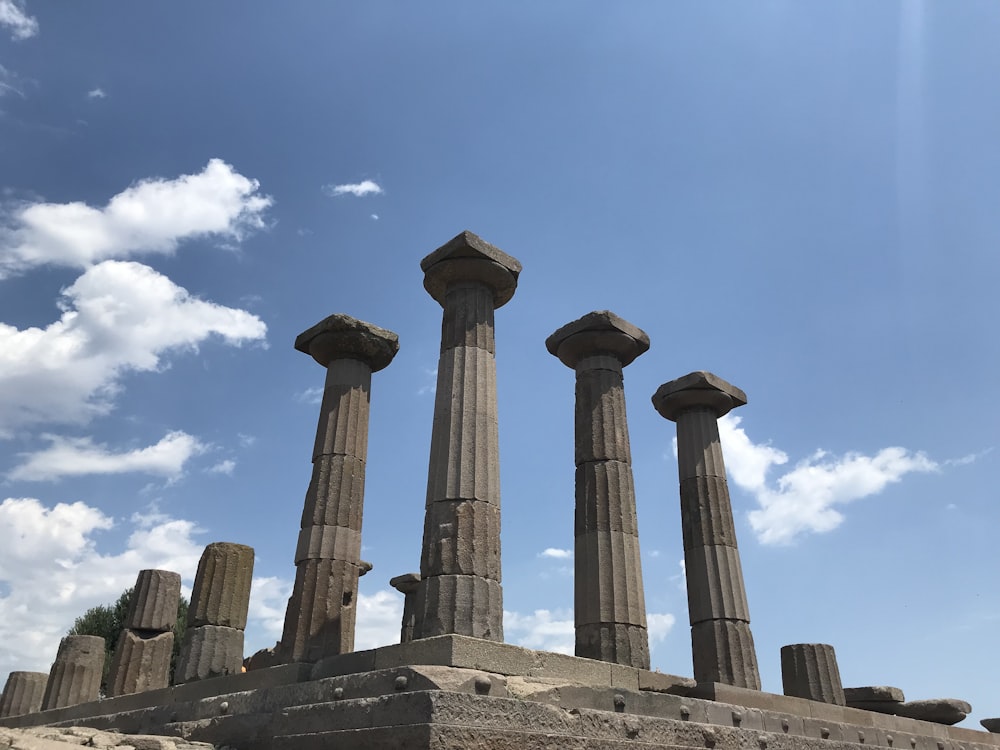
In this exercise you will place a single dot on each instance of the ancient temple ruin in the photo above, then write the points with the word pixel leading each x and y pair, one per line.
pixel 451 681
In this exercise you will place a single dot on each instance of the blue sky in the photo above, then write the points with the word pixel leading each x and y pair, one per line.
pixel 801 198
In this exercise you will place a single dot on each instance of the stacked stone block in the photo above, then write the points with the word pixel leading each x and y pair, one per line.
pixel 321 612
pixel 459 590
pixel 217 614
pixel 23 693
pixel 610 608
pixel 721 642
pixel 142 655
pixel 809 670
pixel 76 673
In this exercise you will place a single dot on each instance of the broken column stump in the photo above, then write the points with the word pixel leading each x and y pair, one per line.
pixel 721 642
pixel 141 660
pixel 809 670
pixel 407 584
pixel 609 603
pixel 217 615
pixel 460 590
pixel 320 617
pixel 76 673
pixel 23 693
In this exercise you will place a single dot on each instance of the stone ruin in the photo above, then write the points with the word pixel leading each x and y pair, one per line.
pixel 452 682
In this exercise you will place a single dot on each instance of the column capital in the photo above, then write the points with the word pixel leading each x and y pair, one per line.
pixel 598 332
pixel 694 390
pixel 469 258
pixel 406 583
pixel 340 336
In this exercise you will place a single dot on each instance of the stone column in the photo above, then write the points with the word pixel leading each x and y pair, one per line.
pixel 217 615
pixel 722 644
pixel 460 588
pixel 76 673
pixel 610 609
pixel 142 655
pixel 407 584
pixel 321 612
pixel 23 693
pixel 809 670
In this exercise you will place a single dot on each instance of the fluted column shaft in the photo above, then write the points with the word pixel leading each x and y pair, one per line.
pixel 809 670
pixel 609 603
pixel 722 643
pixel 75 676
pixel 321 612
pixel 23 693
pixel 459 589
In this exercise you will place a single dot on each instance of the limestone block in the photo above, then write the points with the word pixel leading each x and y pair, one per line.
pixel 611 559
pixel 221 593
pixel 328 542
pixel 140 663
pixel 321 611
pixel 460 538
pixel 209 651
pixel 464 460
pixel 937 710
pixel 873 693
pixel 706 512
pixel 76 673
pixel 154 601
pixel 343 414
pixel 340 336
pixel 336 493
pixel 605 498
pixel 723 651
pixel 23 693
pixel 468 317
pixel 618 643
pixel 809 670
pixel 601 428
pixel 715 587
pixel 469 258
pixel 463 605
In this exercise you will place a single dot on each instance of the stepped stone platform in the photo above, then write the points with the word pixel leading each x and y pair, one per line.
pixel 455 691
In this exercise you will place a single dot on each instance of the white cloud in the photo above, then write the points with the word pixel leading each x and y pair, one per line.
pixel 73 457
pixel 542 630
pixel 358 189
pixel 223 467
pixel 374 217
pixel 51 570
pixel 805 499
pixel 557 554
pixel 151 216
pixel 380 616
pixel 14 17
pixel 659 626
pixel 117 317
pixel 266 615
pixel 97 93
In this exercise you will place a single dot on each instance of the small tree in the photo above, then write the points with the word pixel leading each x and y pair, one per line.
pixel 108 621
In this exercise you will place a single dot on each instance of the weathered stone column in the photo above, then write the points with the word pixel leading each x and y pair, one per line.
pixel 809 670
pixel 460 588
pixel 217 615
pixel 722 644
pixel 23 693
pixel 141 660
pixel 321 612
pixel 407 584
pixel 76 673
pixel 610 608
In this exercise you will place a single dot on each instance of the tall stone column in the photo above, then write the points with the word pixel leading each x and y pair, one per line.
pixel 321 612
pixel 23 693
pixel 721 641
pixel 459 590
pixel 610 608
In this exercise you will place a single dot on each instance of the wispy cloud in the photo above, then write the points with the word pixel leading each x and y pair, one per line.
pixel 312 395
pixel 17 20
pixel 74 457
pixel 9 83
pixel 806 498
pixel 97 93
pixel 374 217
pixel 223 467
pixel 357 189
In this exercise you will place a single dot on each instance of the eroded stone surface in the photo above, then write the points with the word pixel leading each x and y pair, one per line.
pixel 809 670
pixel 140 663
pixel 598 332
pixel 154 601
pixel 873 693
pixel 937 710
pixel 23 693
pixel 209 651
pixel 694 390
pixel 469 258
pixel 63 738
pixel 221 593
pixel 76 673
pixel 340 336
